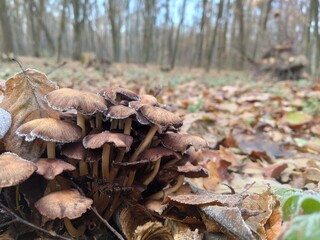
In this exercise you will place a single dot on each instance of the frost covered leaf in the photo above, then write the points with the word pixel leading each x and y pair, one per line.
pixel 227 220
pixel 5 122
pixel 23 100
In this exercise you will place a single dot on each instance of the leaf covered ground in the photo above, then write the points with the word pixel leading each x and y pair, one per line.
pixel 263 160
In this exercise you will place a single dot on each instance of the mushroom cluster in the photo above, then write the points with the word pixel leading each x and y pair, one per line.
pixel 115 145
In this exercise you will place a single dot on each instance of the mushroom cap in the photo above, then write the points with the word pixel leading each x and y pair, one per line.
pixel 117 94
pixel 155 153
pixel 14 169
pixel 161 117
pixel 148 99
pixel 119 140
pixel 77 151
pixel 181 141
pixel 50 130
pixel 51 167
pixel 66 203
pixel 65 99
pixel 5 122
pixel 120 112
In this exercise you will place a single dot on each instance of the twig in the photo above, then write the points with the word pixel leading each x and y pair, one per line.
pixel 94 210
pixel 19 219
pixel 56 67
pixel 105 222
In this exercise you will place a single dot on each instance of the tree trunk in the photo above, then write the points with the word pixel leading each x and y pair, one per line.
pixel 222 56
pixel 6 28
pixel 175 49
pixel 76 55
pixel 201 36
pixel 61 31
pixel 262 26
pixel 115 29
pixel 241 46
pixel 214 35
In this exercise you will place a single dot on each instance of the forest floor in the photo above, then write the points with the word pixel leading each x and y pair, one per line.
pixel 265 135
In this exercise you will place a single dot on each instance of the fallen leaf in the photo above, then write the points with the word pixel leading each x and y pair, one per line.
pixel 24 101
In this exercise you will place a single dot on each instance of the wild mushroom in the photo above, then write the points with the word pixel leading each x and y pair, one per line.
pixel 66 205
pixel 14 169
pixel 116 94
pixel 160 120
pixel 105 140
pixel 76 151
pixel 51 131
pixel 49 168
pixel 86 103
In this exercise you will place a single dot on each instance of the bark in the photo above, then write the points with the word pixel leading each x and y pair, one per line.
pixel 115 29
pixel 77 27
pixel 241 38
pixel 6 28
pixel 175 49
pixel 214 36
pixel 61 31
pixel 262 26
pixel 201 35
pixel 223 38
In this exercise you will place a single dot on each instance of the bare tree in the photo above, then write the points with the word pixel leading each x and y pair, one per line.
pixel 176 42
pixel 6 28
pixel 115 22
pixel 61 31
pixel 201 35
pixel 214 36
pixel 241 39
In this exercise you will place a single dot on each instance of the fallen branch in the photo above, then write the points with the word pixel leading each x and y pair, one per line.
pixel 19 219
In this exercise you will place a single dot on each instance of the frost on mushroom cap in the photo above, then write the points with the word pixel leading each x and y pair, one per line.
pixel 65 99
pixel 161 117
pixel 49 129
pixel 120 112
pixel 67 203
pixel 5 122
pixel 181 142
pixel 49 168
pixel 14 169
pixel 111 94
pixel 119 140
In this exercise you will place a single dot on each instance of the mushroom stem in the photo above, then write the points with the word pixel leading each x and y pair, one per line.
pixel 165 192
pixel 127 126
pixel 172 162
pixel 115 203
pixel 114 171
pixel 51 149
pixel 98 119
pixel 153 174
pixel 74 232
pixel 95 169
pixel 114 124
pixel 120 124
pixel 143 145
pixel 81 123
pixel 105 161
pixel 83 168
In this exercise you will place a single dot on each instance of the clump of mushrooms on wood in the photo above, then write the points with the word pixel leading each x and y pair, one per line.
pixel 115 145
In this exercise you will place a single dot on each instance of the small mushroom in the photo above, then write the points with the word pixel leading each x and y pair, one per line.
pixel 160 120
pixel 51 131
pixel 65 204
pixel 116 94
pixel 14 169
pixel 50 168
pixel 182 141
pixel 86 103
pixel 105 140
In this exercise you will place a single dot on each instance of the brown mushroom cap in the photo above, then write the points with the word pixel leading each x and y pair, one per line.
pixel 65 99
pixel 117 94
pixel 120 112
pixel 14 169
pixel 50 168
pixel 49 129
pixel 161 117
pixel 77 151
pixel 148 99
pixel 181 141
pixel 67 203
pixel 119 140
pixel 153 154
